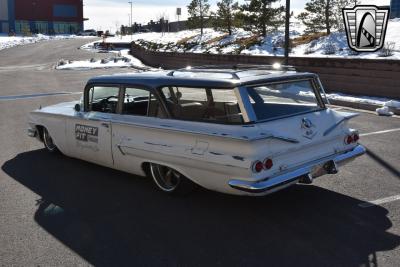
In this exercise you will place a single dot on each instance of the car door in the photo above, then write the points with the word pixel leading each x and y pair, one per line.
pixel 89 132
pixel 133 130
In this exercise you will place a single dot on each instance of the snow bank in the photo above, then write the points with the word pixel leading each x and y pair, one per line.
pixel 11 41
pixel 388 108
pixel 98 64
pixel 393 104
pixel 122 60
pixel 384 111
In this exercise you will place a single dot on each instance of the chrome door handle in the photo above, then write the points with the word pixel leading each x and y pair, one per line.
pixel 106 125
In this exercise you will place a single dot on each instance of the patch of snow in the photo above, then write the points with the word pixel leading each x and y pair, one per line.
pixel 393 104
pixel 379 101
pixel 384 111
pixel 133 60
pixel 11 41
pixel 122 60
pixel 86 64
pixel 162 38
pixel 339 41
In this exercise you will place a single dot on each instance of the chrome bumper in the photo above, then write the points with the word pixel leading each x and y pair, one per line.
pixel 293 176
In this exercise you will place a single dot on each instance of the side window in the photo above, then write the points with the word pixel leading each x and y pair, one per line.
pixel 103 99
pixel 203 104
pixel 141 102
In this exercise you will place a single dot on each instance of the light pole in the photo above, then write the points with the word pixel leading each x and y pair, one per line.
pixel 130 26
pixel 129 21
pixel 287 37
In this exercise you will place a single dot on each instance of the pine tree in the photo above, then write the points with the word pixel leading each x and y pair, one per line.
pixel 226 15
pixel 318 16
pixel 338 5
pixel 260 14
pixel 198 10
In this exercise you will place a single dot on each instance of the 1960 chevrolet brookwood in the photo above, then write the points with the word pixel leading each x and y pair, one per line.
pixel 245 131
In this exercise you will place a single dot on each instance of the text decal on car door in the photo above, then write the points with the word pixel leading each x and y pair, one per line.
pixel 86 133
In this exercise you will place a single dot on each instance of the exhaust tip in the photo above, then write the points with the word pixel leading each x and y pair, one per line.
pixel 331 167
pixel 306 179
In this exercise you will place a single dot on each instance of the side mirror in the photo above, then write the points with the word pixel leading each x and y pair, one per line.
pixel 77 107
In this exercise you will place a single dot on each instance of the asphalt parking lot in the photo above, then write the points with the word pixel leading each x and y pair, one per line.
pixel 56 210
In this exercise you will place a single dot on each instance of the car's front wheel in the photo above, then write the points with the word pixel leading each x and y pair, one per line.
pixel 48 142
pixel 170 180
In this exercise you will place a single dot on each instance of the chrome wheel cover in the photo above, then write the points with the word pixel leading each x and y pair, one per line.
pixel 48 141
pixel 166 178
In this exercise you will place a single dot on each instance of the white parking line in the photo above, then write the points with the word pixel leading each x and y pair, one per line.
pixel 381 132
pixel 379 201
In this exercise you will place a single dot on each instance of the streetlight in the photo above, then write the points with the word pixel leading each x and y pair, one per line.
pixel 287 37
pixel 130 26
pixel 129 21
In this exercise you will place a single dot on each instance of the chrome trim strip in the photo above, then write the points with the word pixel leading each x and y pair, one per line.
pixel 194 157
pixel 330 129
pixel 179 130
pixel 195 70
pixel 292 115
pixel 279 137
pixel 294 175
pixel 323 90
pixel 245 105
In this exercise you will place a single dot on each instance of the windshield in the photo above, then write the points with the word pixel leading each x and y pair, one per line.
pixel 283 99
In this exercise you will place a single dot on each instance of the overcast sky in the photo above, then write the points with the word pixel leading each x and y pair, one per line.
pixel 107 14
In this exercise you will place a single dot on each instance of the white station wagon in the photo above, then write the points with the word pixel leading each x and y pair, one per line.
pixel 244 131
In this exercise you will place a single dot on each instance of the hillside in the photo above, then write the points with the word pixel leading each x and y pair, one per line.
pixel 245 42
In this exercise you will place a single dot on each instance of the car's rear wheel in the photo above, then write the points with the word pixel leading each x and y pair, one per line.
pixel 170 180
pixel 48 142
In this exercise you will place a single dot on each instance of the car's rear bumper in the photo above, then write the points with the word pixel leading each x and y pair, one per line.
pixel 313 169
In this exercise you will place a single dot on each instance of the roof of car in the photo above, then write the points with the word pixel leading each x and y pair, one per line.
pixel 202 77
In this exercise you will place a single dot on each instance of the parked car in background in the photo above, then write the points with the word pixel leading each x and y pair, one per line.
pixel 244 131
pixel 88 33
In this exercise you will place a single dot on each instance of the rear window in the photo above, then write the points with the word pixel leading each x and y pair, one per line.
pixel 203 104
pixel 282 99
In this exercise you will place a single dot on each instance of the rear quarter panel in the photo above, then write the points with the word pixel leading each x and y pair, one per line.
pixel 208 154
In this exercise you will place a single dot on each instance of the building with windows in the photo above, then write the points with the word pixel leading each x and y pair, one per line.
pixel 41 16
pixel 395 8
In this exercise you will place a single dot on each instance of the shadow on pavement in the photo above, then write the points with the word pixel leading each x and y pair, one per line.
pixel 113 218
pixel 383 163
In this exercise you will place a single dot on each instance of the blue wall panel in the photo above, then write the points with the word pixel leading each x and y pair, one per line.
pixel 66 11
pixel 11 15
pixel 51 27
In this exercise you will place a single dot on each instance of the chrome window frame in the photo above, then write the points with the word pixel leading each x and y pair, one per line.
pixel 245 105
pixel 315 82
pixel 121 97
pixel 246 113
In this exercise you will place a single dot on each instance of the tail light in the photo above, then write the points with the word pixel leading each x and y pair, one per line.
pixel 258 166
pixel 353 138
pixel 356 137
pixel 349 139
pixel 268 163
